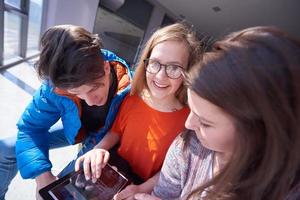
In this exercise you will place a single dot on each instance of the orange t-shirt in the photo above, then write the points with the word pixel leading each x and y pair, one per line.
pixel 146 134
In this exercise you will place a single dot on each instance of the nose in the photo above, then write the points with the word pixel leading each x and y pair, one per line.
pixel 89 99
pixel 191 122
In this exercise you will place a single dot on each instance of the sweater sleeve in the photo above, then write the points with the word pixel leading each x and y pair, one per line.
pixel 170 180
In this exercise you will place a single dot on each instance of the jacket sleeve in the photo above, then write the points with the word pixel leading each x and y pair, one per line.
pixel 32 147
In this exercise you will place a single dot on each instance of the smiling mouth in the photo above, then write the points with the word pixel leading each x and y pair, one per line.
pixel 162 86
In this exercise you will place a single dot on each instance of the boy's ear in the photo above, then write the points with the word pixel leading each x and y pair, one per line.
pixel 106 67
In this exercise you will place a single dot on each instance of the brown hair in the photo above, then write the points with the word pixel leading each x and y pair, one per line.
pixel 70 57
pixel 254 75
pixel 175 32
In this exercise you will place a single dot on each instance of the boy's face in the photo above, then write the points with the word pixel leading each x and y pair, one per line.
pixel 94 94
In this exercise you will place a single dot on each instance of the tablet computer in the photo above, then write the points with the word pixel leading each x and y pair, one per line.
pixel 75 186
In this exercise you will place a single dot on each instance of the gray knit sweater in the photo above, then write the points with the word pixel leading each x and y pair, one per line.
pixel 184 169
pixel 187 166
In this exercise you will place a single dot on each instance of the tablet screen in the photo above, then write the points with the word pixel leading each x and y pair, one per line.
pixel 74 186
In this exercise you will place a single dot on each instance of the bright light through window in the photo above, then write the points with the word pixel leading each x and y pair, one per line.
pixel 12 25
pixel 34 26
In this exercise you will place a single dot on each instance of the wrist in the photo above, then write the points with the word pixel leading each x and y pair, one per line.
pixel 44 179
pixel 147 186
pixel 99 146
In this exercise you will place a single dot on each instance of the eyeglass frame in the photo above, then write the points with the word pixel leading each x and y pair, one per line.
pixel 146 63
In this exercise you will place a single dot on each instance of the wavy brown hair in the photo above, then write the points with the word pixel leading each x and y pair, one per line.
pixel 70 57
pixel 254 75
pixel 175 32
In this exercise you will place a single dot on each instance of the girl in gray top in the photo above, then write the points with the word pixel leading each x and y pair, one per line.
pixel 245 116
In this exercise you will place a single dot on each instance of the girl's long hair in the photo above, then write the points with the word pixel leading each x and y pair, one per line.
pixel 254 75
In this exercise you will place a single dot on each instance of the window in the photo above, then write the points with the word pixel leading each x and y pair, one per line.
pixel 34 27
pixel 12 28
pixel 14 3
pixel 20 27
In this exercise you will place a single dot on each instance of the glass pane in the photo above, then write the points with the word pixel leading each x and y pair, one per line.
pixel 15 3
pixel 12 27
pixel 117 34
pixel 34 26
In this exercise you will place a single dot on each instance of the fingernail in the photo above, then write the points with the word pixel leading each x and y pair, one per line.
pixel 94 180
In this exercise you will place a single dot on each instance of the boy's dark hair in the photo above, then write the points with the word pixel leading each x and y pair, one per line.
pixel 70 57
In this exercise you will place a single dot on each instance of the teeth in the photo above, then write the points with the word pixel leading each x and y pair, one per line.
pixel 160 85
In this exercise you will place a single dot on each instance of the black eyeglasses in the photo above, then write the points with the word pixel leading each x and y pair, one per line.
pixel 173 71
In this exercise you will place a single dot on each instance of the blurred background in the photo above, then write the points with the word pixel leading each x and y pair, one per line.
pixel 124 25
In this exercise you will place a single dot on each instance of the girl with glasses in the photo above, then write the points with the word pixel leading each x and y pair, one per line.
pixel 152 115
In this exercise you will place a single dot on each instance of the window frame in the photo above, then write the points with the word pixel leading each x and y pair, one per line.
pixel 23 13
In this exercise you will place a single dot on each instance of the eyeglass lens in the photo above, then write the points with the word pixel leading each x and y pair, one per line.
pixel 172 70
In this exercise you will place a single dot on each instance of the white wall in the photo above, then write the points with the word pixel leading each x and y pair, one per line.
pixel 77 12
pixel 237 14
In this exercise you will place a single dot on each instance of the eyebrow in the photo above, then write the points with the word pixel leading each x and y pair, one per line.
pixel 202 118
pixel 205 120
pixel 174 63
pixel 77 92
pixel 73 92
pixel 167 63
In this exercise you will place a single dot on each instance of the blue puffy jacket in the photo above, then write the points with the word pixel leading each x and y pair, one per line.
pixel 46 108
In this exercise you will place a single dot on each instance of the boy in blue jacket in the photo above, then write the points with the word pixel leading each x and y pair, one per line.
pixel 83 85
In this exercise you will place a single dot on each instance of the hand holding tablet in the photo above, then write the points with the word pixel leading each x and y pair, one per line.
pixel 75 186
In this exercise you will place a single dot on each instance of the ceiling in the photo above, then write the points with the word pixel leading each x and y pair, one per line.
pixel 218 17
